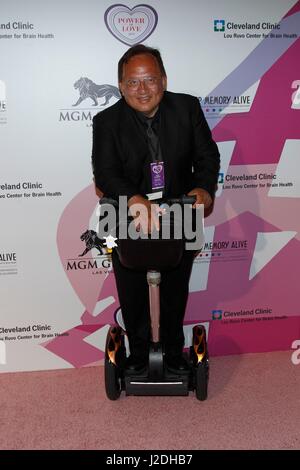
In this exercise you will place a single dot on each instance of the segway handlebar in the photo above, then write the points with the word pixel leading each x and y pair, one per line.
pixel 174 200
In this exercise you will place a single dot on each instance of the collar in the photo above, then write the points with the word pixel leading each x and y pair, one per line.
pixel 145 119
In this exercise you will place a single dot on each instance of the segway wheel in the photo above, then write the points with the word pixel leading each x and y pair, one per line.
pixel 201 381
pixel 112 381
pixel 113 362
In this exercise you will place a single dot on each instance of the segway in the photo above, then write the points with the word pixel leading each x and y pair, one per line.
pixel 154 255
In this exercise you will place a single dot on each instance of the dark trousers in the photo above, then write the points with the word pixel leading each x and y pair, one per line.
pixel 133 295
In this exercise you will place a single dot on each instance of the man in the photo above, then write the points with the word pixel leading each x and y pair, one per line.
pixel 150 125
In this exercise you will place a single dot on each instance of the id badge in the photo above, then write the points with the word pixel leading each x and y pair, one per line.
pixel 157 175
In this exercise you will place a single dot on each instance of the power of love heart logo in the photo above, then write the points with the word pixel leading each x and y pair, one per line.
pixel 157 169
pixel 131 25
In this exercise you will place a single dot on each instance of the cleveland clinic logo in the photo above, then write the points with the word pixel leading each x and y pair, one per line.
pixel 217 314
pixel 219 25
pixel 131 25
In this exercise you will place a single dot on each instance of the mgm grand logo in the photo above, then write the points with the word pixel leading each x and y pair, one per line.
pixel 90 93
pixel 102 263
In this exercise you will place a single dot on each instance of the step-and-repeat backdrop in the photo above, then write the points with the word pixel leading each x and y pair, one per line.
pixel 58 68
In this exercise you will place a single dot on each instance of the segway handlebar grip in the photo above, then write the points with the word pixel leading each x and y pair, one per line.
pixel 174 200
pixel 180 200
pixel 109 200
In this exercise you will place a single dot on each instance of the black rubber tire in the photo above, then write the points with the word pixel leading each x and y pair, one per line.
pixel 201 381
pixel 112 380
pixel 113 372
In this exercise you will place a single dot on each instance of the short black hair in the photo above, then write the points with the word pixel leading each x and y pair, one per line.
pixel 139 49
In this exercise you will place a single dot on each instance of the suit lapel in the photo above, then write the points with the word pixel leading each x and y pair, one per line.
pixel 134 142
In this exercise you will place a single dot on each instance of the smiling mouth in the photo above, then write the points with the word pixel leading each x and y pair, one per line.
pixel 144 99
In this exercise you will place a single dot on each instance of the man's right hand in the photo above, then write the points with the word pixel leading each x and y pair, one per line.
pixel 144 213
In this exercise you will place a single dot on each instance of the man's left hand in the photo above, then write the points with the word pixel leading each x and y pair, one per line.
pixel 203 197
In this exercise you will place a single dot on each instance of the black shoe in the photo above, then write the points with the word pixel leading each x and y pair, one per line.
pixel 177 364
pixel 136 365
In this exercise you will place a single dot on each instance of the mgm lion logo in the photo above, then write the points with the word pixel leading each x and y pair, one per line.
pixel 89 89
pixel 93 241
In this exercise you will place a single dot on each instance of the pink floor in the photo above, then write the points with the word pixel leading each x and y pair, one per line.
pixel 253 403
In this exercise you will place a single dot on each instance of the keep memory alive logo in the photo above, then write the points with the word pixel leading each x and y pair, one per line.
pixel 131 25
pixel 90 95
pixel 2 102
pixel 8 263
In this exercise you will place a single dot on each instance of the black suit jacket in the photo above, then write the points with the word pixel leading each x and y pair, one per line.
pixel 191 157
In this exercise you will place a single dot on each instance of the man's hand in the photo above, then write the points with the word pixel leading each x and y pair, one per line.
pixel 203 197
pixel 144 213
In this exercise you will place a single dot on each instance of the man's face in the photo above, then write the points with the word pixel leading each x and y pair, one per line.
pixel 142 84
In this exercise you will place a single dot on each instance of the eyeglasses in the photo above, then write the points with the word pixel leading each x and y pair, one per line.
pixel 134 83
